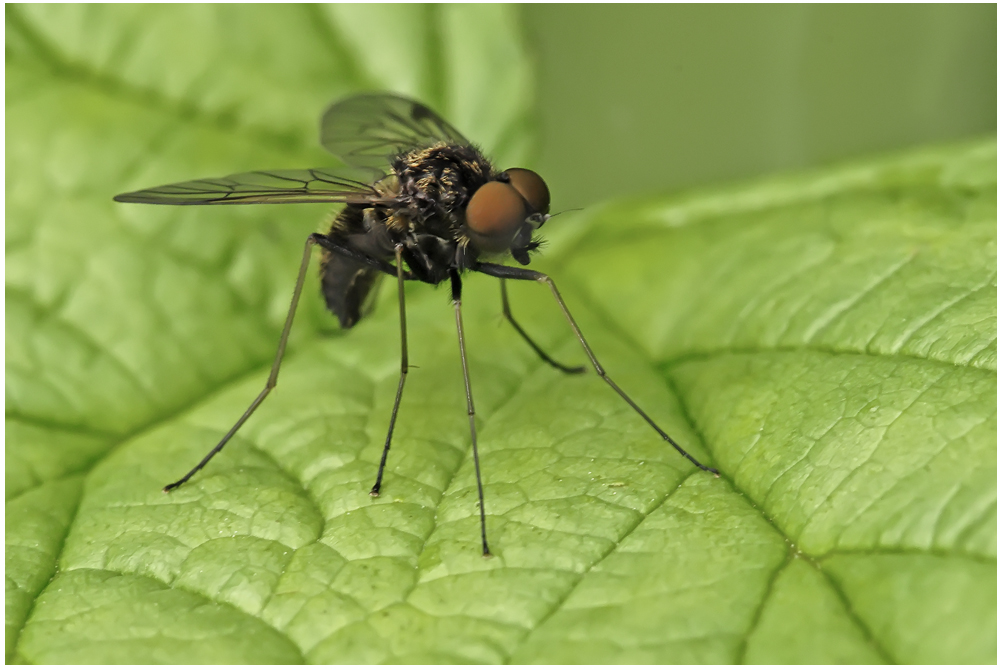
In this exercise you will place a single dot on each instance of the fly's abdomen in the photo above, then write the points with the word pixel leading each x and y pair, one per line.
pixel 350 286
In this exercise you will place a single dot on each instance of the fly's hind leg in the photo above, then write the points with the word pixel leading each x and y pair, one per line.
pixel 506 272
pixel 272 379
pixel 531 343
pixel 403 368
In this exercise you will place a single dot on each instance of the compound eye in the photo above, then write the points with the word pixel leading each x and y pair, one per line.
pixel 495 213
pixel 531 187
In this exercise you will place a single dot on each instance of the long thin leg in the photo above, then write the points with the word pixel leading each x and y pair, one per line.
pixel 342 250
pixel 506 272
pixel 403 369
pixel 456 298
pixel 272 380
pixel 531 343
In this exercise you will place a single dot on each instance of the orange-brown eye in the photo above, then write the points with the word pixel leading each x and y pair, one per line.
pixel 531 187
pixel 495 213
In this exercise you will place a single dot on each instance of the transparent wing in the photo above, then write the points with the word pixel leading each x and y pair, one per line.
pixel 265 187
pixel 368 131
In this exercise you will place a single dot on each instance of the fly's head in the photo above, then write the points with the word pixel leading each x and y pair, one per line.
pixel 503 214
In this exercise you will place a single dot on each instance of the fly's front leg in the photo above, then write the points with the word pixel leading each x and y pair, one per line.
pixel 456 298
pixel 506 272
pixel 403 369
pixel 531 343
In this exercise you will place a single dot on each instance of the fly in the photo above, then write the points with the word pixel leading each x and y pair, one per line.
pixel 431 208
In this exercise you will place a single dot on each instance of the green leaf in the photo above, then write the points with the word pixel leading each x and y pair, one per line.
pixel 827 340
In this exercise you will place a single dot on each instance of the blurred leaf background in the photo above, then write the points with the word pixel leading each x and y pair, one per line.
pixel 647 97
pixel 828 339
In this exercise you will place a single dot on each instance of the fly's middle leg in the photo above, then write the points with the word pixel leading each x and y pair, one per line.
pixel 403 369
pixel 456 298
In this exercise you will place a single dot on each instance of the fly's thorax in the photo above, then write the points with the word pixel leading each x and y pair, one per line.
pixel 437 182
pixel 388 186
pixel 400 224
pixel 365 229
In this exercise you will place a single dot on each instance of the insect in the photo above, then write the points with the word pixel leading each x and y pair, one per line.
pixel 431 208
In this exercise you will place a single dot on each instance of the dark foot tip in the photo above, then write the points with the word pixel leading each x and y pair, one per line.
pixel 577 371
